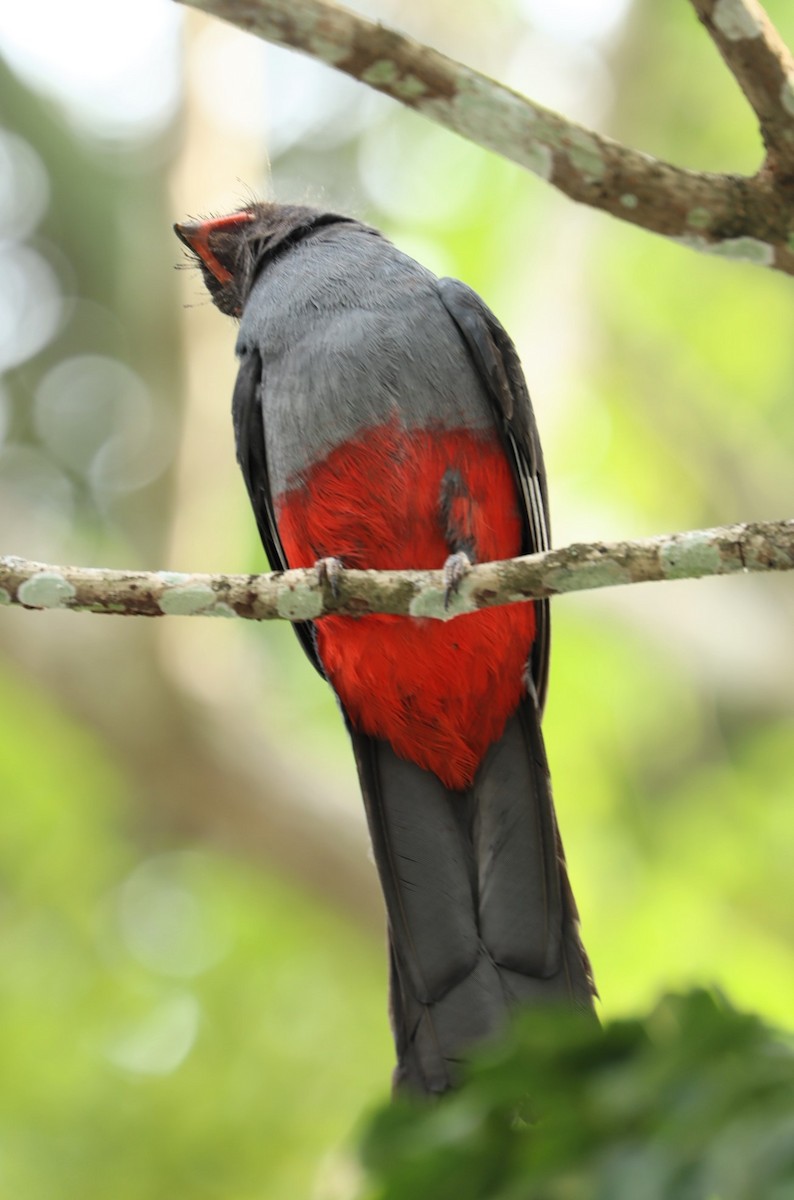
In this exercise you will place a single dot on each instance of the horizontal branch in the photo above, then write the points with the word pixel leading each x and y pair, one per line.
pixel 303 595
pixel 729 215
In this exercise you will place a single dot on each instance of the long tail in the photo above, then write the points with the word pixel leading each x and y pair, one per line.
pixel 480 910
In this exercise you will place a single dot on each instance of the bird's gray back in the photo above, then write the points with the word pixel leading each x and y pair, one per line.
pixel 353 335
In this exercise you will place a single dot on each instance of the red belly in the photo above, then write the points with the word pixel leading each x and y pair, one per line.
pixel 440 692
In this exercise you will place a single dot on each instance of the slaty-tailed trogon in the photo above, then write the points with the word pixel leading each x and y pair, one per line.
pixel 382 420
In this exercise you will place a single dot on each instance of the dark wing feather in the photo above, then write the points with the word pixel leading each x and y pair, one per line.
pixel 249 432
pixel 498 366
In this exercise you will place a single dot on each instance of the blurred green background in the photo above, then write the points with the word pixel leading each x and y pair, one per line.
pixel 193 992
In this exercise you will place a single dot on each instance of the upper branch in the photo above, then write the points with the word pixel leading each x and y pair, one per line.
pixel 763 66
pixel 305 595
pixel 729 215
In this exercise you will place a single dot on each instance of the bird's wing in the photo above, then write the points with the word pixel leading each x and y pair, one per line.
pixel 250 437
pixel 499 369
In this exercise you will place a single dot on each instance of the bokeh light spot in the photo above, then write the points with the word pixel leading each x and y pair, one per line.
pixel 30 304
pixel 162 920
pixel 24 187
pixel 159 1042
pixel 96 416
pixel 115 71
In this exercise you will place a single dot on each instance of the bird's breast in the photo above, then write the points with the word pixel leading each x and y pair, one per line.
pixel 396 497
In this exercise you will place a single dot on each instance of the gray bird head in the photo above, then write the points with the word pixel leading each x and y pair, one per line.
pixel 231 250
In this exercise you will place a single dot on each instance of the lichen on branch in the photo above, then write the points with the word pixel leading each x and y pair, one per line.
pixel 305 595
pixel 747 218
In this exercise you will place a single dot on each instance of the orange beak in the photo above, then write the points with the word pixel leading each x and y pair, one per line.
pixel 196 236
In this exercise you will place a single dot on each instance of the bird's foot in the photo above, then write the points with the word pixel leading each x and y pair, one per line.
pixel 456 568
pixel 330 571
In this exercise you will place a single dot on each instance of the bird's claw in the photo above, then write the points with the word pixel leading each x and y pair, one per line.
pixel 329 571
pixel 456 568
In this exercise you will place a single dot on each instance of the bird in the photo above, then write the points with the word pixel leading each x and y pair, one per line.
pixel 382 420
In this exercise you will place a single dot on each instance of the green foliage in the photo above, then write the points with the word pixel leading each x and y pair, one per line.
pixel 696 1102
pixel 173 1024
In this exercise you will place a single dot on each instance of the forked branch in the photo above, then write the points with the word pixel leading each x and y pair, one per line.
pixel 750 218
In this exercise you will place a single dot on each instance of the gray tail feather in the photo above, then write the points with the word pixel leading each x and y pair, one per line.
pixel 481 914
